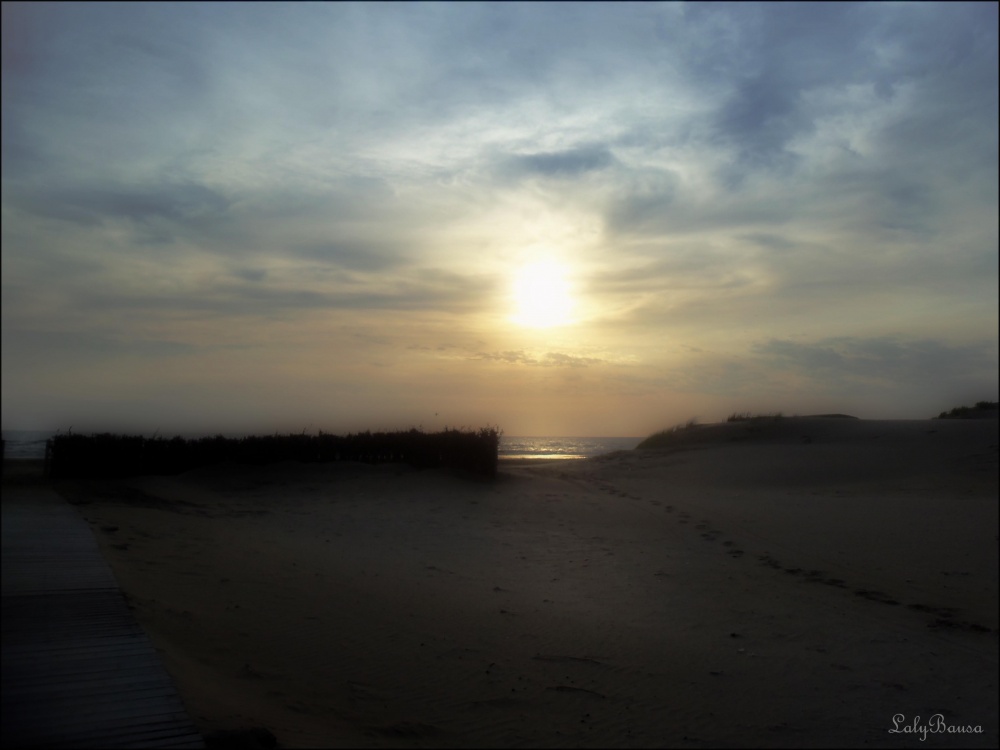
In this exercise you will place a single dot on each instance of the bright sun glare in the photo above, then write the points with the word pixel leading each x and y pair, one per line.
pixel 542 295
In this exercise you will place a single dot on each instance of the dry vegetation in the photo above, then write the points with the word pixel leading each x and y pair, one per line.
pixel 108 455
pixel 982 410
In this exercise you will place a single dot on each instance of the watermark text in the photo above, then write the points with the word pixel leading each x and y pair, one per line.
pixel 934 725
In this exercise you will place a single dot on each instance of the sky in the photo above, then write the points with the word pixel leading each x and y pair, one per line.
pixel 559 219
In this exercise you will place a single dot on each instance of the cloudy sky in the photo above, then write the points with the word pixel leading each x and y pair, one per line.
pixel 562 219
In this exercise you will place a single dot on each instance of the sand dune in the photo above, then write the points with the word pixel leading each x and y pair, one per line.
pixel 794 585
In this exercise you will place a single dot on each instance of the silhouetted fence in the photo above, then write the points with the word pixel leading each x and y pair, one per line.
pixel 107 455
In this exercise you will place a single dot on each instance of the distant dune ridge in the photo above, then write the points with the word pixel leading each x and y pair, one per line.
pixel 741 426
pixel 767 581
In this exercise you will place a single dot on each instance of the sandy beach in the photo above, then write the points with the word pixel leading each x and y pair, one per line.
pixel 791 583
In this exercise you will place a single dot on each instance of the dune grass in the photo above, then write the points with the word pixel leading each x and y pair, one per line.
pixel 669 436
pixel 746 416
pixel 681 433
pixel 980 410
pixel 109 455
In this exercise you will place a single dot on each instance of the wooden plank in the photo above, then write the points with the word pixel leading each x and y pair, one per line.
pixel 149 711
pixel 177 743
pixel 111 645
pixel 96 668
pixel 59 723
pixel 56 683
pixel 45 666
pixel 57 633
pixel 94 688
pixel 128 737
pixel 78 671
pixel 108 725
pixel 96 642
pixel 70 620
pixel 107 704
pixel 62 614
pixel 143 712
pixel 88 690
pixel 164 738
pixel 134 726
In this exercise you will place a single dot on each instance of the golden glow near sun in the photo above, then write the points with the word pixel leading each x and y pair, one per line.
pixel 542 295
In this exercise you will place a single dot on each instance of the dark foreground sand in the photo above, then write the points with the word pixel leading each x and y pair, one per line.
pixel 792 584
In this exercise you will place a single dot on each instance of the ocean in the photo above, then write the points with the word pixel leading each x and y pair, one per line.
pixel 26 444
pixel 549 448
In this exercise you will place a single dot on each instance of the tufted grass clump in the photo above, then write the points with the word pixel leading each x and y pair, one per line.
pixel 746 416
pixel 670 436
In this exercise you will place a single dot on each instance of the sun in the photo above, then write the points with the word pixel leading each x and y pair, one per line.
pixel 542 295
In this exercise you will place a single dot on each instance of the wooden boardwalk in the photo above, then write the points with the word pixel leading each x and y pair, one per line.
pixel 78 671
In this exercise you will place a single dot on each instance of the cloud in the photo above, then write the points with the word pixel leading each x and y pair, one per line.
pixel 678 266
pixel 546 359
pixel 43 349
pixel 566 360
pixel 510 357
pixel 644 203
pixel 251 274
pixel 794 50
pixel 356 256
pixel 559 164
pixel 262 295
pixel 92 205
pixel 849 360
